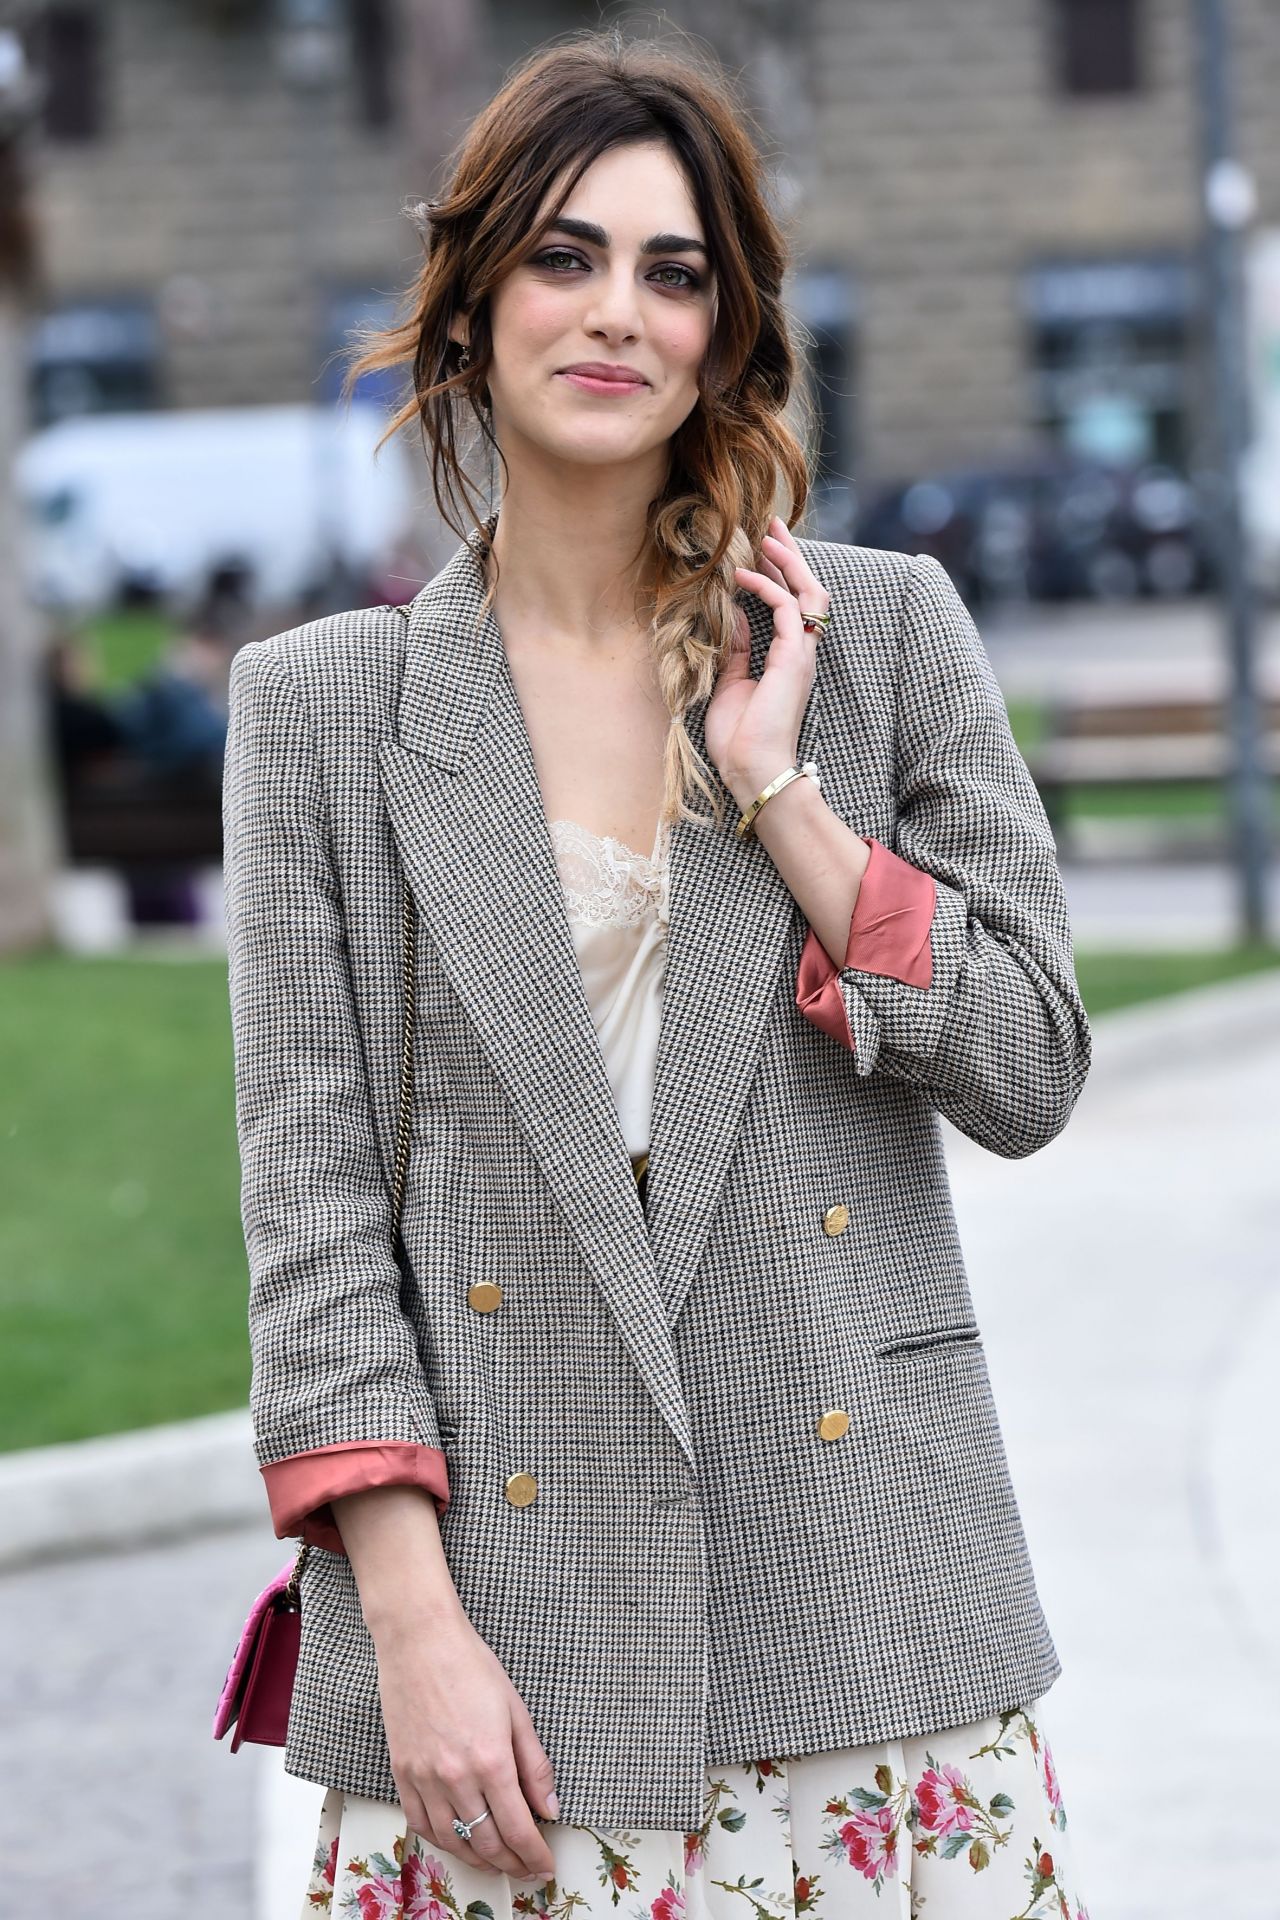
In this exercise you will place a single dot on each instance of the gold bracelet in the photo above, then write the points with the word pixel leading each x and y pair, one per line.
pixel 746 827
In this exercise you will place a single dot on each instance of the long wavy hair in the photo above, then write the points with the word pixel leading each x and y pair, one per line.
pixel 560 108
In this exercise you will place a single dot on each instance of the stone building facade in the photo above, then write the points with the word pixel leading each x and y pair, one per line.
pixel 994 203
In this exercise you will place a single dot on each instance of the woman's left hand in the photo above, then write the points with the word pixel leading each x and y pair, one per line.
pixel 752 726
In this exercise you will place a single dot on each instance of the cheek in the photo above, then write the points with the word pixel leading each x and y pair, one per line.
pixel 684 340
pixel 528 320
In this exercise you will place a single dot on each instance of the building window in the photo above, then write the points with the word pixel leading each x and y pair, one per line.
pixel 1095 46
pixel 371 59
pixel 1111 344
pixel 95 356
pixel 66 52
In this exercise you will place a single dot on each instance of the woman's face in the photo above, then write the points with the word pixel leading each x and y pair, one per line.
pixel 619 278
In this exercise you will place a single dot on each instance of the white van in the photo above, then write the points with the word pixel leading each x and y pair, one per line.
pixel 160 500
pixel 1260 510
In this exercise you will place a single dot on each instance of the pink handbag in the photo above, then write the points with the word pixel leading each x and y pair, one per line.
pixel 258 1691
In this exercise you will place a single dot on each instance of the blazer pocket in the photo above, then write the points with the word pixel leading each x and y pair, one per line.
pixel 964 1333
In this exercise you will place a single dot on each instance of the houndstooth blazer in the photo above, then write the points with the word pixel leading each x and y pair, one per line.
pixel 704 1575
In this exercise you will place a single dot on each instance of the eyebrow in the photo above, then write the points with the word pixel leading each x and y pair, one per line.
pixel 656 243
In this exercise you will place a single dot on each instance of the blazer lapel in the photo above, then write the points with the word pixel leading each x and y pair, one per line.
pixel 462 793
pixel 731 914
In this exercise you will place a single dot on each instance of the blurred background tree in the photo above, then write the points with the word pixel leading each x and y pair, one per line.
pixel 28 833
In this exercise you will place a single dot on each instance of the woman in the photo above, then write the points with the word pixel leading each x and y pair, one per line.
pixel 658 1471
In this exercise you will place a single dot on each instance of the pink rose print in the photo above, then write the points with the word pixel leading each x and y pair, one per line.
pixel 424 1883
pixel 669 1905
pixel 694 1858
pixel 380 1898
pixel 1051 1787
pixel 331 1864
pixel 938 1797
pixel 871 1842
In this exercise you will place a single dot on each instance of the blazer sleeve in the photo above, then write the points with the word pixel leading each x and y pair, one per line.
pixel 301 1488
pixel 959 974
pixel 334 1359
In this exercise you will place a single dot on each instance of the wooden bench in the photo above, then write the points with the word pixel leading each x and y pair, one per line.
pixel 1134 740
pixel 145 823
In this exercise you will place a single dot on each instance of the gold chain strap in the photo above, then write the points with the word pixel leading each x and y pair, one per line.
pixel 400 1171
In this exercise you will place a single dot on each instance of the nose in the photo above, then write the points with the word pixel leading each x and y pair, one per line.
pixel 614 312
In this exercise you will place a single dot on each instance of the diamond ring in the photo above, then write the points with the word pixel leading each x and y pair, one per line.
pixel 463 1827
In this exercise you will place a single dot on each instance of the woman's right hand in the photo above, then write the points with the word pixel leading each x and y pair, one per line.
pixel 461 1739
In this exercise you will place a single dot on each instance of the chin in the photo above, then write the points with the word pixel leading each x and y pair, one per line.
pixel 601 450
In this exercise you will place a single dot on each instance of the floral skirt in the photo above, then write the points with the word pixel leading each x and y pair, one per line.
pixel 965 1824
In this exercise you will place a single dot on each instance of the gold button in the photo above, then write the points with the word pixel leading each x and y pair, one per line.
pixel 521 1489
pixel 836 1218
pixel 833 1423
pixel 484 1296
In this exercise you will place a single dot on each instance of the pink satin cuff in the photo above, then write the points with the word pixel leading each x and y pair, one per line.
pixel 888 934
pixel 300 1488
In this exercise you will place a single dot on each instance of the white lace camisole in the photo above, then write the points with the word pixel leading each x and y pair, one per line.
pixel 618 906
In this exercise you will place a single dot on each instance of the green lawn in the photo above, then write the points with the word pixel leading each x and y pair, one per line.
pixel 1110 980
pixel 124 645
pixel 122 1269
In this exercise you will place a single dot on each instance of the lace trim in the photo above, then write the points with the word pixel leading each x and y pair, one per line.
pixel 607 883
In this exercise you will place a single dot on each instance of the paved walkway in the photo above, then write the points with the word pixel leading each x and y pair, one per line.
pixel 1045 649
pixel 1127 1282
pixel 1152 907
pixel 117 1803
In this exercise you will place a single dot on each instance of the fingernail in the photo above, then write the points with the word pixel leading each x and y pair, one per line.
pixel 553 1806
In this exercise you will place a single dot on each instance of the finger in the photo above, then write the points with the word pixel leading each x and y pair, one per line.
pixel 467 1802
pixel 768 590
pixel 785 606
pixel 533 1765
pixel 415 1813
pixel 798 575
pixel 492 1842
pixel 781 531
pixel 519 1832
pixel 439 1828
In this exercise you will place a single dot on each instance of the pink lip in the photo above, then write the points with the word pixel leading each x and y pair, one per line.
pixel 594 377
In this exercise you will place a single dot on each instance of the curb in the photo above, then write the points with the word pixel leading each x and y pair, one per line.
pixel 1134 1042
pixel 130 1489
pixel 169 1482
